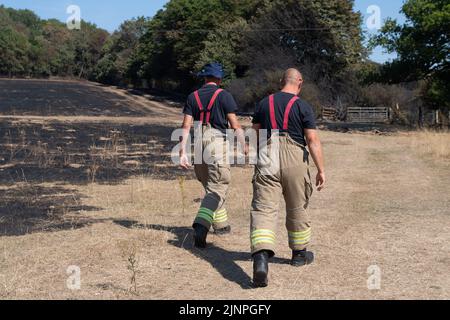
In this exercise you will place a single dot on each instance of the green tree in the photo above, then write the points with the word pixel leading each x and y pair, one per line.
pixel 59 48
pixel 422 44
pixel 30 46
pixel 118 52
pixel 323 38
pixel 224 45
pixel 175 41
pixel 13 51
pixel 88 43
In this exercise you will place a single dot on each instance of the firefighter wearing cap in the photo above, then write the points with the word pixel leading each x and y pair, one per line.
pixel 289 121
pixel 213 109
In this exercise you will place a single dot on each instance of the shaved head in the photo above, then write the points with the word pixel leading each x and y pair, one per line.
pixel 292 81
pixel 291 77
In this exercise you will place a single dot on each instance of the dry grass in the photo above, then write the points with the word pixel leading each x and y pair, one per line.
pixel 432 143
pixel 141 246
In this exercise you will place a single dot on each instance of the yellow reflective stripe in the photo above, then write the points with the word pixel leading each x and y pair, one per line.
pixel 271 238
pixel 263 232
pixel 220 215
pixel 263 235
pixel 220 220
pixel 254 243
pixel 206 214
pixel 299 241
pixel 216 222
pixel 263 239
pixel 205 217
pixel 206 211
pixel 300 233
pixel 302 237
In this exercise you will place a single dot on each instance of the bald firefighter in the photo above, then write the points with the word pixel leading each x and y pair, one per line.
pixel 290 124
pixel 214 109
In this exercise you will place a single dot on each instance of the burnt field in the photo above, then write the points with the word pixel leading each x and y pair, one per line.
pixel 62 98
pixel 70 133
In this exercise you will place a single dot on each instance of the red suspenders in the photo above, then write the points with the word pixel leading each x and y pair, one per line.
pixel 210 105
pixel 273 119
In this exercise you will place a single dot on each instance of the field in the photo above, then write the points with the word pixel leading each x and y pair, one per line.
pixel 86 180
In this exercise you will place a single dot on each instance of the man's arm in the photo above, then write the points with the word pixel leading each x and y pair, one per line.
pixel 234 124
pixel 315 148
pixel 187 124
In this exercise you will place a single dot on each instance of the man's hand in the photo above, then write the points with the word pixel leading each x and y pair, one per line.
pixel 235 125
pixel 187 124
pixel 320 181
pixel 185 163
pixel 315 148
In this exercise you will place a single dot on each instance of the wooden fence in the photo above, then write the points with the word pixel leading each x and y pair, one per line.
pixel 329 113
pixel 367 114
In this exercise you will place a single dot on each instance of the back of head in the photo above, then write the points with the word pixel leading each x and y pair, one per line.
pixel 291 77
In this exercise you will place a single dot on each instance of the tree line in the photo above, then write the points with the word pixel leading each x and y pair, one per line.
pixel 255 40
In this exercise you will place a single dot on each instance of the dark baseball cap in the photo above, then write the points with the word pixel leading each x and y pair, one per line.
pixel 213 69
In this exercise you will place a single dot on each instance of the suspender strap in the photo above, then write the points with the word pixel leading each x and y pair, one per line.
pixel 287 111
pixel 200 106
pixel 273 118
pixel 211 104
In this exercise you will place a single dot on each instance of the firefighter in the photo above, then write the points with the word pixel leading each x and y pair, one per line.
pixel 214 110
pixel 290 122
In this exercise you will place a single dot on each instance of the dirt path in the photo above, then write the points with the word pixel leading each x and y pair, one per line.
pixel 385 206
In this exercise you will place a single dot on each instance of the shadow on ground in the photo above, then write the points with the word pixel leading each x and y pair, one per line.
pixel 222 260
pixel 26 209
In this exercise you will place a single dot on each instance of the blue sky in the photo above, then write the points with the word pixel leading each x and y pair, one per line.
pixel 110 14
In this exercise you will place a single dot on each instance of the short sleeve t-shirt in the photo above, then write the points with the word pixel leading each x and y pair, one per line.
pixel 224 105
pixel 301 116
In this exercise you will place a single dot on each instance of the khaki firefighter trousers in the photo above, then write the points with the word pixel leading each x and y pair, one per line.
pixel 215 176
pixel 291 178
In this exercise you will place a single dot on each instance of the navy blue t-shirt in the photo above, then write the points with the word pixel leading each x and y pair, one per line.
pixel 223 105
pixel 301 116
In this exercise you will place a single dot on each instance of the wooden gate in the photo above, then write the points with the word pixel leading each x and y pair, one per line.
pixel 329 113
pixel 368 114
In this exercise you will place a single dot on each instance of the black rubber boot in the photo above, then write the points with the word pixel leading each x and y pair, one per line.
pixel 260 269
pixel 223 231
pixel 302 258
pixel 200 234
